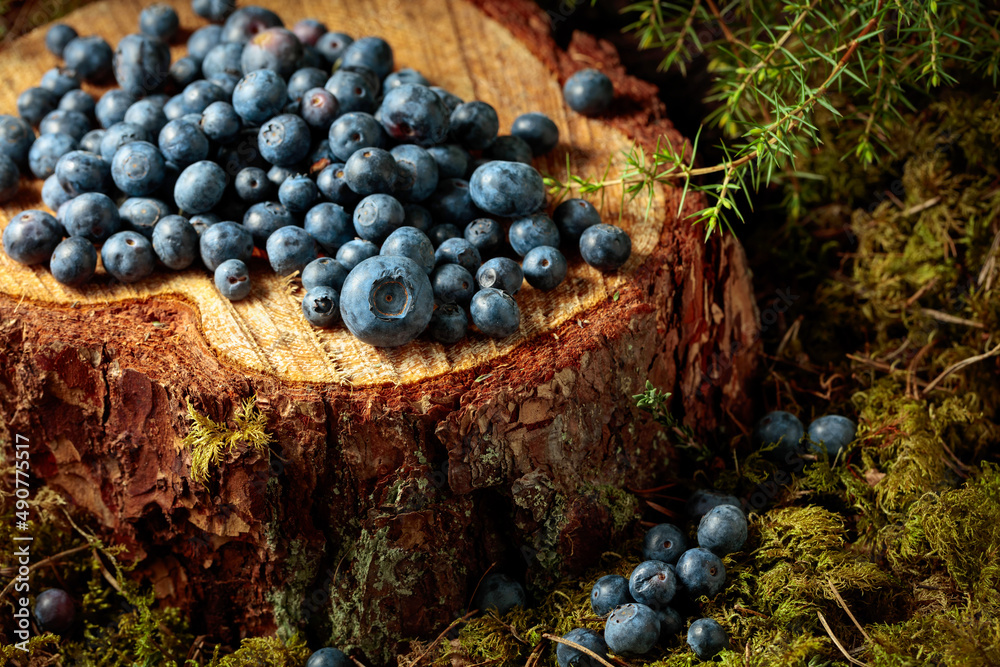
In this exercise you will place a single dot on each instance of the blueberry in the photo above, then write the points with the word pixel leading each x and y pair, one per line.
pixel 223 62
pixel 148 115
pixel 453 284
pixel 452 203
pixel 474 125
pixel 16 138
pixel 91 141
pixel 664 542
pixel 458 251
pixel 706 638
pixel 544 267
pixel 60 80
pixel 485 234
pixel 701 501
pixel 31 236
pixel 284 140
pixel 567 656
pixel 330 225
pixel 203 40
pixel 495 313
pixel 608 593
pixel 175 242
pixel 438 234
pixel 332 45
pixel 200 187
pixel 246 22
pixel 575 216
pixel 589 92
pixel 290 249
pixel 632 628
pixel 416 173
pixel 532 232
pixel 159 21
pixel 89 57
pixel 298 193
pixel 232 279
pixel 92 215
pixel 260 95
pixel 35 103
pixel 203 221
pixel 183 143
pixel 57 37
pixel 500 273
pixel 265 218
pixel 319 108
pixel 183 72
pixel 54 610
pixel 507 189
pixel 46 151
pixel 127 256
pixel 325 272
pixel 112 107
pixel 412 113
pixel 328 657
pixel 450 101
pixel 252 185
pixel 537 130
pixel 332 185
pixel 449 323
pixel 452 160
pixel 498 591
pixel 137 168
pixel 81 171
pixel 832 431
pixel 221 123
pixel 142 214
pixel 419 217
pixel 377 216
pixel 79 100
pixel 509 149
pixel 354 131
pixel 73 261
pixel 605 247
pixel 309 31
pixel 653 583
pixel 405 75
pixel 198 95
pixel 356 251
pixel 215 11
pixel 10 177
pixel 303 80
pixel 723 530
pixel 370 171
pixel 701 572
pixel 275 49
pixel 53 194
pixel 371 52
pixel 225 240
pixel 386 301
pixel 413 243
pixel 353 91
pixel 141 64
pixel 278 175
pixel 117 136
pixel 779 427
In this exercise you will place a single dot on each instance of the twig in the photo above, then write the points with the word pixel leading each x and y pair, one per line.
pixel 920 292
pixel 917 208
pixel 742 609
pixel 836 594
pixel 582 649
pixel 837 643
pixel 950 319
pixel 911 369
pixel 957 366
pixel 882 366
pixel 441 636
pixel 41 563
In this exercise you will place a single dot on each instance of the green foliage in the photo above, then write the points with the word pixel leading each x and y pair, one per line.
pixel 210 440
pixel 265 652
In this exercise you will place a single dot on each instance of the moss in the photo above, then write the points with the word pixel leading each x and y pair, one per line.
pixel 265 652
pixel 301 568
pixel 210 440
pixel 621 505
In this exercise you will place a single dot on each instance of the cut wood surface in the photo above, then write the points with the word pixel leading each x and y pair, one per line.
pixel 397 476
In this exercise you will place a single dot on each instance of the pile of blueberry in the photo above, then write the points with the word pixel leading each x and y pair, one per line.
pixel 638 609
pixel 400 204
pixel 833 432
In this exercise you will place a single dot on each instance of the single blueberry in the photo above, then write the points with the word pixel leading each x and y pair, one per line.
pixel 354 93
pixel 298 193
pixel 183 143
pixel 782 428
pixel 605 247
pixel 538 131
pixel 91 141
pixel 142 214
pixel 723 530
pixel 500 273
pixel 57 37
pixel 632 628
pixel 290 249
pixel 54 610
pixel 53 194
pixel 498 591
pixel 31 236
pixel 356 251
pixel 544 267
pixel 354 131
pixel 175 242
pixel 414 114
pixel 377 216
pixel 664 542
pixel 203 40
pixel 416 173
pixel 703 500
pixel 10 177
pixel 275 49
pixel 331 46
pixel 332 185
pixel 137 168
pixel 141 64
pixel 458 251
pixel 127 256
pixel 405 75
pixel 532 232
pixel 284 140
pixel 495 313
pixel 452 203
pixel 448 324
pixel 509 149
pixel 413 243
pixel 387 301
pixel 453 284
pixel 118 135
pixel 223 61
pixel 222 241
pixel 232 279
pixel 259 96
pixel 507 189
pixel 159 21
pixel 112 107
pixel 452 160
pixel 16 138
pixel 325 272
pixel 485 234
pixel 474 125
pixel 45 152
pixel 371 52
pixel 567 656
pixel 200 187
pixel 608 593
pixel 215 11
pixel 319 108
pixel 90 57
pixel 330 225
pixel 701 572
pixel 148 115
pixel 321 308
pixel 573 217
pixel 183 72
pixel 653 583
pixel 92 215
pixel 438 234
pixel 832 431
pixel 79 100
pixel 589 92
pixel 305 79
pixel 81 171
pixel 221 123
pixel 371 171
pixel 242 24
pixel 309 31
pixel 706 638
pixel 60 81
pixel 74 261
pixel 265 218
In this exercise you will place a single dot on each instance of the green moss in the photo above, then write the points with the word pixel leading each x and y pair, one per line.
pixel 210 440
pixel 301 568
pixel 622 505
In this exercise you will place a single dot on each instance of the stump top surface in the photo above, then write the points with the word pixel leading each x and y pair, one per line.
pixel 456 46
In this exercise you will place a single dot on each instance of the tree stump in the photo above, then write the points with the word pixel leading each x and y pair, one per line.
pixel 396 476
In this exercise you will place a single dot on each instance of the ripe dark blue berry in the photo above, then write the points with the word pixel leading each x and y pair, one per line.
pixel 57 37
pixel 46 151
pixel 414 114
pixel 54 610
pixel 305 79
pixel 701 572
pixel 605 247
pixel 200 187
pixel 330 225
pixel 112 107
pixel 632 628
pixel 371 171
pixel 215 11
pixel 779 427
pixel 354 131
pixel 833 432
pixel 319 108
pixel 35 103
pixel 723 530
pixel 371 52
pixel 485 234
pixel 706 638
pixel 664 542
pixel 298 193
pixel 507 189
pixel 275 49
pixel 567 656
pixel 377 216
pixel 159 21
pixel 452 203
pixel 510 149
pixel 356 251
pixel 9 178
pixel 495 313
pixel 232 279
pixel 703 500
pixel 459 251
pixel 128 256
pixel 183 143
pixel 183 72
pixel 284 140
pixel 589 92
pixel 413 243
pixel 331 46
pixel 89 57
pixel 73 261
pixel 309 31
pixel 538 131
pixel 222 241
pixel 265 218
pixel 80 171
pixel 223 62
pixel 573 217
pixel 474 125
pixel 321 307
pixel 500 273
pixel 544 267
pixel 175 242
pixel 137 168
pixel 16 138
pixel 498 591
pixel 387 301
pixel 653 583
pixel 142 214
pixel 221 123
pixel 608 593
pixel 416 173
pixel 325 272
pixel 60 80
pixel 79 100
pixel 260 95
pixel 31 236
pixel 290 249
pixel 448 324
pixel 452 160
pixel 246 22
pixel 328 657
pixel 438 234
pixel 203 40
pixel 532 232
pixel 141 64
pixel 92 215
pixel 670 623
pixel 453 284
pixel 148 115
pixel 53 194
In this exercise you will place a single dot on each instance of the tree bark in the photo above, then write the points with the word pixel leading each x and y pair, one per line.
pixel 396 477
